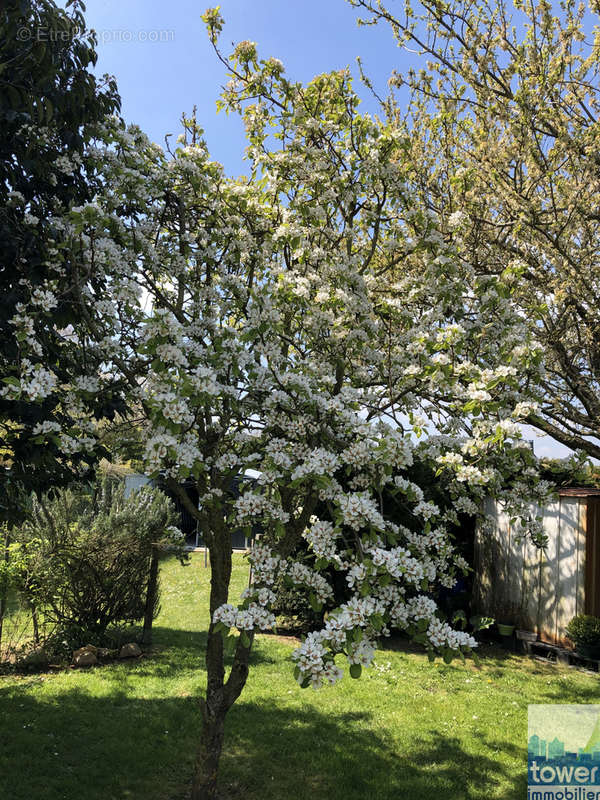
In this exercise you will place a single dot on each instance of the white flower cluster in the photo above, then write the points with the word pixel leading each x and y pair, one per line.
pixel 264 564
pixel 302 575
pixel 263 595
pixel 317 462
pixel 171 355
pixel 321 537
pixel 256 616
pixel 358 509
pixel 413 610
pixel 157 449
pixel 47 426
pixel 174 533
pixel 465 505
pixel 36 383
pixel 87 383
pixel 315 664
pixel 356 575
pixel 440 634
pixel 72 444
pixel 426 510
pixel 253 504
pixel 399 563
pixel 44 298
pixel 362 652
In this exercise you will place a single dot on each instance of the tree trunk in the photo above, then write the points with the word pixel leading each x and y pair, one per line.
pixel 150 597
pixel 214 708
pixel 2 612
pixel 34 620
pixel 220 695
pixel 204 785
pixel 4 591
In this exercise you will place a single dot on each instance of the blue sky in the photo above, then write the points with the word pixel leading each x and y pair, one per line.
pixel 164 65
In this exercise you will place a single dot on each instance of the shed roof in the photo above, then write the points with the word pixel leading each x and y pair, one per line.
pixel 578 491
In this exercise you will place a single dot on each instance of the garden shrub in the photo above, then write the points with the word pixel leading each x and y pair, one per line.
pixel 584 629
pixel 90 551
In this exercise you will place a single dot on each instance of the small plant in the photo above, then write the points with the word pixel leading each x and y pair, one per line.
pixel 506 613
pixel 584 631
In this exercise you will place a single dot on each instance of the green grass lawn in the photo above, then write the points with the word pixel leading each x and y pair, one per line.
pixel 407 729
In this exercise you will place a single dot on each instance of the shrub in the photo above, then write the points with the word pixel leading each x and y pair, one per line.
pixel 293 610
pixel 89 553
pixel 584 629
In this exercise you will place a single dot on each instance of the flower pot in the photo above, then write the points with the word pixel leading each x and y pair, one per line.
pixel 588 650
pixel 505 630
pixel 527 636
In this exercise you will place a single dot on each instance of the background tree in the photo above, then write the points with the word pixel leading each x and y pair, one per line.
pixel 504 128
pixel 50 103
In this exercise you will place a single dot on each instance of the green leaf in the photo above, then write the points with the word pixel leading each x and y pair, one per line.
pixel 355 670
pixel 314 603
pixel 461 617
pixel 377 621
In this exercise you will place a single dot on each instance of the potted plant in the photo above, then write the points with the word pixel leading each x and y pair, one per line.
pixel 523 633
pixel 504 629
pixel 505 619
pixel 525 637
pixel 584 631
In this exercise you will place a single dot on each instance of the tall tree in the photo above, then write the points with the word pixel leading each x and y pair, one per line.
pixel 270 344
pixel 50 104
pixel 505 148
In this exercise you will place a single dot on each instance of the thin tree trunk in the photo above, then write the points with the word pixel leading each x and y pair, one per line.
pixel 204 785
pixel 214 709
pixel 36 627
pixel 4 593
pixel 220 696
pixel 150 597
pixel 2 612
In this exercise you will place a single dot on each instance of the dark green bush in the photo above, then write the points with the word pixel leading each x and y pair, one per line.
pixel 584 629
pixel 293 610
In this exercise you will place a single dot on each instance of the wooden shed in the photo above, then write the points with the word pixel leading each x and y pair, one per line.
pixel 541 590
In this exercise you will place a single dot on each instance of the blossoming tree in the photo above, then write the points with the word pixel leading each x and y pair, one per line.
pixel 503 119
pixel 303 326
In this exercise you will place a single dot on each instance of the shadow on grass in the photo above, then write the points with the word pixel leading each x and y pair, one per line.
pixel 132 731
pixel 175 651
pixel 275 753
pixel 117 746
pixel 71 744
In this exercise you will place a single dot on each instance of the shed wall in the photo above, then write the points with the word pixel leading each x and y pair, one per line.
pixel 540 590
